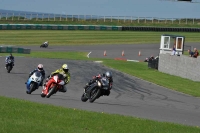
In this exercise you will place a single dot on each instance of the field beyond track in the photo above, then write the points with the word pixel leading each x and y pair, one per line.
pixel 66 37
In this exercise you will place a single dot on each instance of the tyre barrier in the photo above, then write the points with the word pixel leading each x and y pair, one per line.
pixel 153 63
pixel 171 29
pixel 4 49
pixel 58 27
pixel 93 27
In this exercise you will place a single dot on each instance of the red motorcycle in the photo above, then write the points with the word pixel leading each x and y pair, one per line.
pixel 54 84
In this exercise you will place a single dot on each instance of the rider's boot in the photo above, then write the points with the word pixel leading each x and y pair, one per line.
pixel 64 89
pixel 86 86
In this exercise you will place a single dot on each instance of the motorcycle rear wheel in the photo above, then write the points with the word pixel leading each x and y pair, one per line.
pixel 43 95
pixel 95 95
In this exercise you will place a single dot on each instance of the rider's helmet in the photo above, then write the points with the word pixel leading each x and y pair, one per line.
pixel 40 67
pixel 65 68
pixel 108 75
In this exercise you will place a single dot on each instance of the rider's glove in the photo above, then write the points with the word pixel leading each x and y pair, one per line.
pixel 49 76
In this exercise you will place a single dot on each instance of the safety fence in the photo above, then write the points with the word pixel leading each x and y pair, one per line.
pixel 57 27
pixel 32 16
pixel 10 49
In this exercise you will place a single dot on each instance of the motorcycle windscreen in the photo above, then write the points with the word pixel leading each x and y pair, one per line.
pixel 9 61
pixel 105 83
pixel 38 74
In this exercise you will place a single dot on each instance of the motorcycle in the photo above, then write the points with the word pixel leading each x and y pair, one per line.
pixel 95 90
pixel 9 66
pixel 44 45
pixel 33 82
pixel 54 84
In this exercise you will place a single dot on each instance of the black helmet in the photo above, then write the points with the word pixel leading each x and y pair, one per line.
pixel 108 75
pixel 11 56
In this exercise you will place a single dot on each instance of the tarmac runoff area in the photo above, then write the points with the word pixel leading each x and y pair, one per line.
pixel 130 96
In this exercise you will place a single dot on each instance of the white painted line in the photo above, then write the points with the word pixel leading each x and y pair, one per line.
pixel 89 54
pixel 98 61
pixel 2 45
pixel 133 60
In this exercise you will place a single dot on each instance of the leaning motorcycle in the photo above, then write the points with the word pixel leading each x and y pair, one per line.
pixel 9 66
pixel 33 82
pixel 44 45
pixel 54 84
pixel 95 90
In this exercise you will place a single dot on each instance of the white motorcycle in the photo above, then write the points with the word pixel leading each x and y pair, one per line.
pixel 44 45
pixel 33 82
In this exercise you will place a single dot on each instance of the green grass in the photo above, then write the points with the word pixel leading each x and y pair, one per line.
pixel 66 37
pixel 114 23
pixel 20 116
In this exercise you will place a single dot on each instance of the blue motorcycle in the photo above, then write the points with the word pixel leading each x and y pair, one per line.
pixel 33 82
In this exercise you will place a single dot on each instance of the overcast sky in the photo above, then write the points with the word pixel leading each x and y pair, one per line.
pixel 137 8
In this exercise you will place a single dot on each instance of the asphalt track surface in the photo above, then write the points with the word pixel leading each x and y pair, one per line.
pixel 130 96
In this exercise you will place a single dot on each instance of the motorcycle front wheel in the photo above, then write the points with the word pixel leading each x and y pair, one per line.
pixel 51 92
pixel 32 87
pixel 84 98
pixel 9 69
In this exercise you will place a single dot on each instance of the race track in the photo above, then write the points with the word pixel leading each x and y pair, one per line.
pixel 130 96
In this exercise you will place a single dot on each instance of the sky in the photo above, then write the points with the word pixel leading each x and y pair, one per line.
pixel 136 8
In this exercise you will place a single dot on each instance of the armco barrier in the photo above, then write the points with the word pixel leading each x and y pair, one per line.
pixel 57 27
pixel 171 29
pixel 6 49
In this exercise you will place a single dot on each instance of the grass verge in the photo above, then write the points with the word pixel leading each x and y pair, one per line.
pixel 19 116
pixel 67 37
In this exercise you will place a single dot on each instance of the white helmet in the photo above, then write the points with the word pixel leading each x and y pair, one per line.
pixel 40 67
pixel 108 75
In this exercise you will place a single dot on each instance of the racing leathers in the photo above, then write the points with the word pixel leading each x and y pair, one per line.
pixel 9 58
pixel 46 43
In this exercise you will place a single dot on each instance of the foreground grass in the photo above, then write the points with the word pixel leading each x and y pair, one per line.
pixel 66 37
pixel 19 116
pixel 139 70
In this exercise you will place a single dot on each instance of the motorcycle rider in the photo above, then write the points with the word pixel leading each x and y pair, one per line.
pixel 39 69
pixel 108 75
pixel 65 72
pixel 10 57
pixel 46 43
